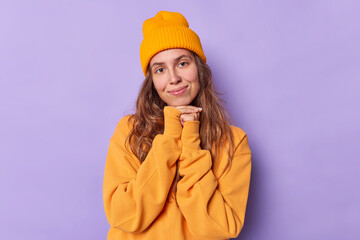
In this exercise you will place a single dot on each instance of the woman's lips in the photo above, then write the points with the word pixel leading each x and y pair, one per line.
pixel 178 91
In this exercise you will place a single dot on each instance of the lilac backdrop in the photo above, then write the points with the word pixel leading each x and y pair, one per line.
pixel 289 71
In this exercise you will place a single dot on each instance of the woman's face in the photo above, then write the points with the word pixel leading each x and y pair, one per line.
pixel 175 76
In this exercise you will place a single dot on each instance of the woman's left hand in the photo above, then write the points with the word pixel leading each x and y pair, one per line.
pixel 189 113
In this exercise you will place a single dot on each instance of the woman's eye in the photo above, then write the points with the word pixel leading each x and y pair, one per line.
pixel 182 64
pixel 159 70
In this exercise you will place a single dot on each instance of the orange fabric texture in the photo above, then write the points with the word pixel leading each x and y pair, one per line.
pixel 210 201
pixel 167 30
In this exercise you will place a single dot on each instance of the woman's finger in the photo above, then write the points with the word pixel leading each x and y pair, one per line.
pixel 188 109
pixel 189 117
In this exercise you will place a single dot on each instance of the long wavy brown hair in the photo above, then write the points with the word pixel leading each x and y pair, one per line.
pixel 148 120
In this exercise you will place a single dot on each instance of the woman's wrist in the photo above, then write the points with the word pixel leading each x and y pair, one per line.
pixel 190 136
pixel 172 125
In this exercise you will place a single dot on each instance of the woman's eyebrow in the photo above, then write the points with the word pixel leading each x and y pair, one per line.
pixel 180 57
pixel 176 59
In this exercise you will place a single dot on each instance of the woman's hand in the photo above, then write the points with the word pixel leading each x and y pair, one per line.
pixel 189 113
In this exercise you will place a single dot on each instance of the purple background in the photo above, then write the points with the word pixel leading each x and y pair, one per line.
pixel 289 71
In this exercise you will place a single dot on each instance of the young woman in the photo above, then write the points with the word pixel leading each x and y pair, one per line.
pixel 176 169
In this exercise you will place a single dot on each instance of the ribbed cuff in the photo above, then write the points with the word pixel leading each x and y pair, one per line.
pixel 172 125
pixel 191 135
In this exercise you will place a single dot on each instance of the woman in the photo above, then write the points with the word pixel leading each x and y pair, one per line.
pixel 176 169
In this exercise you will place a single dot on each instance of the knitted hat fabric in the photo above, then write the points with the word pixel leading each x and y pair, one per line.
pixel 165 31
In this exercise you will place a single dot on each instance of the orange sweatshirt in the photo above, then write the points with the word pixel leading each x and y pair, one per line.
pixel 210 201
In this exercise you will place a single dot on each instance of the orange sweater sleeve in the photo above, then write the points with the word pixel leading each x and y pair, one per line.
pixel 135 194
pixel 213 208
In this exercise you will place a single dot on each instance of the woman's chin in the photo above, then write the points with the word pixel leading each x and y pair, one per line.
pixel 179 103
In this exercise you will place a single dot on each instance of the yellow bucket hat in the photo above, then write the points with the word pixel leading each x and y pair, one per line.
pixel 164 31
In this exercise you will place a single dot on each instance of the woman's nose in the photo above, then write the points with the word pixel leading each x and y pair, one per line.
pixel 174 77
